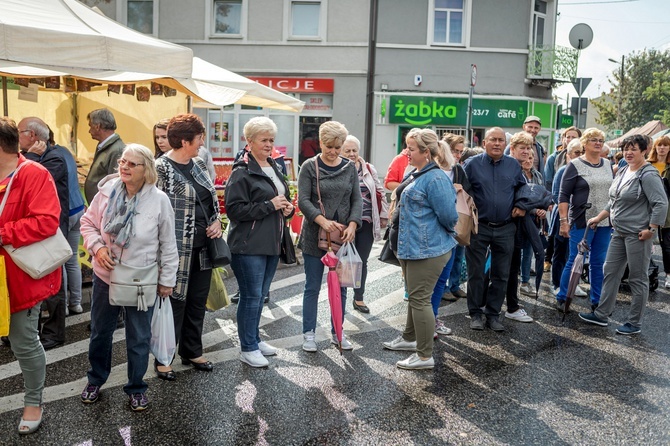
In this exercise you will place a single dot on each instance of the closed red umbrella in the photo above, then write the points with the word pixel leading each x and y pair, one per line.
pixel 334 293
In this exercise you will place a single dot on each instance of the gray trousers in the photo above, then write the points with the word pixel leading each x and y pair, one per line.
pixel 26 346
pixel 421 277
pixel 626 250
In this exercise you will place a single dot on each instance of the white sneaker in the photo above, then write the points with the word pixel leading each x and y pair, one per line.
pixel 526 289
pixel 580 292
pixel 440 328
pixel 555 291
pixel 346 345
pixel 254 359
pixel 667 282
pixel 309 344
pixel 416 363
pixel 266 349
pixel 75 309
pixel 519 315
pixel 399 344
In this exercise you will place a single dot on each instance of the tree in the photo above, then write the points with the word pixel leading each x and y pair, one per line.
pixel 641 102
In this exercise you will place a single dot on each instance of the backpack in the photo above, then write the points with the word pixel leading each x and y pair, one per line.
pixel 468 222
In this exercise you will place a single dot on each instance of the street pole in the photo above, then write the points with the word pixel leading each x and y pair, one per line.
pixel 621 80
pixel 579 105
pixel 468 125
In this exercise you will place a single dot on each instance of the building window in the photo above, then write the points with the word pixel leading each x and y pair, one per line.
pixel 449 22
pixel 539 20
pixel 306 19
pixel 140 16
pixel 227 17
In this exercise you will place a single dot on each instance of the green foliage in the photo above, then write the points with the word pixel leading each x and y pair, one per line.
pixel 645 91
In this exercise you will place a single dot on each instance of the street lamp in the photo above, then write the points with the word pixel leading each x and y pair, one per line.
pixel 621 80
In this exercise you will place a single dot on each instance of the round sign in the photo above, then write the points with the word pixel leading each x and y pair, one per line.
pixel 473 75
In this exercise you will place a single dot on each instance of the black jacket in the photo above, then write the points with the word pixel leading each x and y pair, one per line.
pixel 255 226
pixel 54 161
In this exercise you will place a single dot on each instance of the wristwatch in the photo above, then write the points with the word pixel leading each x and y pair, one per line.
pixel 652 230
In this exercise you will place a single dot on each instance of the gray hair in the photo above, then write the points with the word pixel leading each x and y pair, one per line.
pixel 353 139
pixel 102 117
pixel 257 125
pixel 150 174
pixel 39 127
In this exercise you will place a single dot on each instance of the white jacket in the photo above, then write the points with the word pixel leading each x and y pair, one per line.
pixel 371 180
pixel 154 238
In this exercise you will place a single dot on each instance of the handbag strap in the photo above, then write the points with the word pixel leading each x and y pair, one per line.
pixel 318 193
pixel 9 185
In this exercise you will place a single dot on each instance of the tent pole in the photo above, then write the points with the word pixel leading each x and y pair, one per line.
pixel 5 106
pixel 75 119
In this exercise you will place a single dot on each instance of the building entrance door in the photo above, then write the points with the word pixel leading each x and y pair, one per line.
pixel 309 136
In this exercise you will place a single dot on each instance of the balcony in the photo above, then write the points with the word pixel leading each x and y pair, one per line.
pixel 552 64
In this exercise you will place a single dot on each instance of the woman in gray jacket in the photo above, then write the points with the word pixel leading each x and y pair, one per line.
pixel 342 202
pixel 637 208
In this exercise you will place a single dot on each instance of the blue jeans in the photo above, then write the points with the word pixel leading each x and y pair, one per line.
pixel 441 284
pixel 598 241
pixel 72 277
pixel 103 324
pixel 526 259
pixel 254 275
pixel 310 299
pixel 458 253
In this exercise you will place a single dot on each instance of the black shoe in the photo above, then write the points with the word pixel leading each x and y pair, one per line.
pixel 266 299
pixel 5 340
pixel 235 298
pixel 206 366
pixel 362 308
pixel 494 324
pixel 560 306
pixel 477 322
pixel 167 376
pixel 48 344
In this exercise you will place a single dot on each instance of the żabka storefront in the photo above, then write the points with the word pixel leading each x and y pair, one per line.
pixel 225 127
pixel 398 113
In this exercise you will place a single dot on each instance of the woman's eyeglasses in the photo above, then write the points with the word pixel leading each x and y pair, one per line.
pixel 124 162
pixel 596 141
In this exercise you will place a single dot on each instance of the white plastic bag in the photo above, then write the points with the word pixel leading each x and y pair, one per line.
pixel 163 344
pixel 349 267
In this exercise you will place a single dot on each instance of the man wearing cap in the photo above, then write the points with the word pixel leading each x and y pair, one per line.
pixel 533 125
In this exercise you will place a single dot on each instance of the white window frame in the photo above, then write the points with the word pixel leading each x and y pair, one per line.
pixel 288 21
pixel 122 13
pixel 467 14
pixel 534 15
pixel 211 29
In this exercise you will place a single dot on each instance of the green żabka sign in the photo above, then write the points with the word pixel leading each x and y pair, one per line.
pixel 426 110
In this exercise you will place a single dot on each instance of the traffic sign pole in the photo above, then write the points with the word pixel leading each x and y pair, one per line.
pixel 468 126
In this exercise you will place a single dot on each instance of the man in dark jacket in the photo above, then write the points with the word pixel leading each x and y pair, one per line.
pixel 33 141
pixel 102 127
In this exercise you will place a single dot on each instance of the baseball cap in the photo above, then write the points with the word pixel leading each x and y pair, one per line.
pixel 532 118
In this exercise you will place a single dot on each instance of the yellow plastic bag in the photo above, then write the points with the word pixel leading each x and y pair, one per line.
pixel 4 300
pixel 218 296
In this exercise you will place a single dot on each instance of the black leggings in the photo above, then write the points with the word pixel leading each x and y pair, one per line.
pixel 664 239
pixel 364 240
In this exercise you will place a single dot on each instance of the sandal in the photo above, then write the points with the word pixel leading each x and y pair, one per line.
pixel 28 427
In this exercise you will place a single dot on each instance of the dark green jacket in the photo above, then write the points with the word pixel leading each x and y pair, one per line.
pixel 104 163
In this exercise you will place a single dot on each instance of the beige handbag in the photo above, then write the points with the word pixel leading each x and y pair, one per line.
pixel 133 286
pixel 40 258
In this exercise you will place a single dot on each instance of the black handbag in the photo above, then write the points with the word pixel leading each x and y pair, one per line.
pixel 387 255
pixel 287 255
pixel 219 252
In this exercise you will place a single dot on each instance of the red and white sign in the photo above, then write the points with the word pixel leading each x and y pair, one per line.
pixel 297 84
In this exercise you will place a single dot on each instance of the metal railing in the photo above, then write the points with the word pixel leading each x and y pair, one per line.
pixel 555 63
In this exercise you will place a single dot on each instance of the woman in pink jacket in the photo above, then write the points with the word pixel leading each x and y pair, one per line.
pixel 30 214
pixel 129 220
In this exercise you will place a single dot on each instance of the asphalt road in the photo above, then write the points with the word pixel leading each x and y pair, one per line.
pixel 542 383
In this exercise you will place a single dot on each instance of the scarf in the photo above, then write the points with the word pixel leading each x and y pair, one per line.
pixel 120 215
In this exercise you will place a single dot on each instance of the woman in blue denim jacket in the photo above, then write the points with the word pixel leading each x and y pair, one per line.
pixel 422 236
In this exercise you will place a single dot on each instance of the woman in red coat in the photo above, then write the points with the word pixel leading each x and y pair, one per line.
pixel 30 214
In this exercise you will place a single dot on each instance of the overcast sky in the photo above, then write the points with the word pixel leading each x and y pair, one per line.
pixel 619 27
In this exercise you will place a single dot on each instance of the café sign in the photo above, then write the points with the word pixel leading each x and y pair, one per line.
pixel 426 110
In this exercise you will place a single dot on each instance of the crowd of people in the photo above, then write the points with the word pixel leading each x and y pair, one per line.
pixel 160 210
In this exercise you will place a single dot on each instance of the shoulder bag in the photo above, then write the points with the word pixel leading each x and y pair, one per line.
pixel 327 241
pixel 133 286
pixel 40 258
pixel 287 254
pixel 217 248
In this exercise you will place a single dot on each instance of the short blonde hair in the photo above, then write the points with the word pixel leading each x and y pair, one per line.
pixel 150 175
pixel 427 141
pixel 331 132
pixel 257 125
pixel 521 138
pixel 591 133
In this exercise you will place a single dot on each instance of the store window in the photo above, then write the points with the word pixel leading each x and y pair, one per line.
pixel 228 18
pixel 140 15
pixel 539 20
pixel 306 19
pixel 449 22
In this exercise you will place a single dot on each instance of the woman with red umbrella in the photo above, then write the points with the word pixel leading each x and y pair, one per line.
pixel 330 198
pixel 422 232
